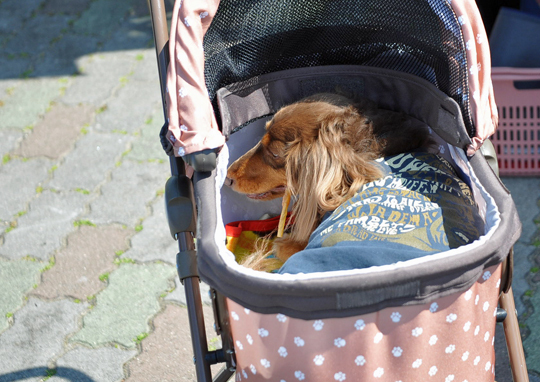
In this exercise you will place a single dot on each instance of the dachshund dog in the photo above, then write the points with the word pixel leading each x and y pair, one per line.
pixel 322 149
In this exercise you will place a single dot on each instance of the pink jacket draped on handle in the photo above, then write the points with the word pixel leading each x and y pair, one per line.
pixel 192 123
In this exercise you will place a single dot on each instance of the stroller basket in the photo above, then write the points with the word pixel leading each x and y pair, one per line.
pixel 408 56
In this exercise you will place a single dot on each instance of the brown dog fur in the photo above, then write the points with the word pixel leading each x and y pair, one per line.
pixel 322 149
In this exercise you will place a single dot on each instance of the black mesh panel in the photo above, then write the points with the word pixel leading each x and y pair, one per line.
pixel 248 38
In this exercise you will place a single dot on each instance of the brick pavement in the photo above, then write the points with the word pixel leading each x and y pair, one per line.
pixel 88 286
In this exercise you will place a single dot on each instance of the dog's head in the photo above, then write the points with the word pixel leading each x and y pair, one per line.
pixel 318 141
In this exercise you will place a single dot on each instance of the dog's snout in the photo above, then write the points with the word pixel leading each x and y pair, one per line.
pixel 229 182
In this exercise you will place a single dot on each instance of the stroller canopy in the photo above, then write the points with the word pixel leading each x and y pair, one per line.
pixel 220 43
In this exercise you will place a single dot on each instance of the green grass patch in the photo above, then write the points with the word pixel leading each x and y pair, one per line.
pixel 138 228
pixel 139 57
pixel 528 293
pixel 104 277
pixel 123 132
pixel 21 213
pixel 51 264
pixel 140 337
pixel 123 260
pixel 49 373
pixel 82 191
pixel 9 315
pixel 79 223
pixel 6 158
pixel 149 121
pixel 101 109
pixel 53 169
pixel 535 269
pixel 27 73
pixel 39 189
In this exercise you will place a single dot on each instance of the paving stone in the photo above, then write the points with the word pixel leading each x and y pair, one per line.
pixel 8 139
pixel 37 35
pixel 13 67
pixel 90 162
pixel 102 17
pixel 124 199
pixel 131 106
pixel 147 145
pixel 134 33
pixel 89 253
pixel 124 308
pixel 532 341
pixel 28 101
pixel 100 75
pixel 60 59
pixel 37 336
pixel 16 279
pixel 42 230
pixel 57 132
pixel 170 347
pixel 18 182
pixel 147 69
pixel 178 295
pixel 103 364
pixel 154 242
pixel 65 7
pixel 12 14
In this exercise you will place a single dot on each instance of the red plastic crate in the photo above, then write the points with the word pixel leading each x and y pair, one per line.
pixel 517 138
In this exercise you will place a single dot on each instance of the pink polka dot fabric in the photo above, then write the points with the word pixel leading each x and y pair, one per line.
pixel 450 339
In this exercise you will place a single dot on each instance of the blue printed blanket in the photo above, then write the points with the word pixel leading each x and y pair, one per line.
pixel 419 207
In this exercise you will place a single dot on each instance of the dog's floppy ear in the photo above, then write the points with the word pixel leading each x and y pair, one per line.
pixel 329 170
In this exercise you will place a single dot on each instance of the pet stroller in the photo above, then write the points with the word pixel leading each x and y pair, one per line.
pixel 232 65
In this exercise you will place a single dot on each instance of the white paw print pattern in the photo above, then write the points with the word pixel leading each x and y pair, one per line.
pixel 395 316
pixel 281 317
pixel 479 38
pixel 181 151
pixel 247 311
pixel 299 341
pixel 182 92
pixel 378 373
pixel 360 360
pixel 265 363
pixel 465 356
pixel 397 351
pixel 203 15
pixel 469 44
pixel 318 360
pixel 450 378
pixel 282 351
pixel 378 338
pixel 477 330
pixel 467 326
pixel 433 340
pixel 486 306
pixel 239 345
pixel 416 332
pixel 249 339
pixel 468 295
pixel 432 371
pixel 235 316
pixel 183 128
pixel 416 364
pixel 359 325
pixel 433 307
pixel 476 360
pixel 451 318
pixel 263 332
pixel 318 325
pixel 486 336
pixel 488 366
pixel 340 376
pixel 340 342
pixel 486 275
pixel 450 349
pixel 299 375
pixel 462 20
pixel 187 21
pixel 498 284
pixel 253 369
pixel 477 298
pixel 244 374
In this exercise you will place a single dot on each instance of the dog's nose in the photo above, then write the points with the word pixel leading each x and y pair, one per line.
pixel 229 182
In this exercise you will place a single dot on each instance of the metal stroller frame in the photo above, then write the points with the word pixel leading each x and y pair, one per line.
pixel 181 212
